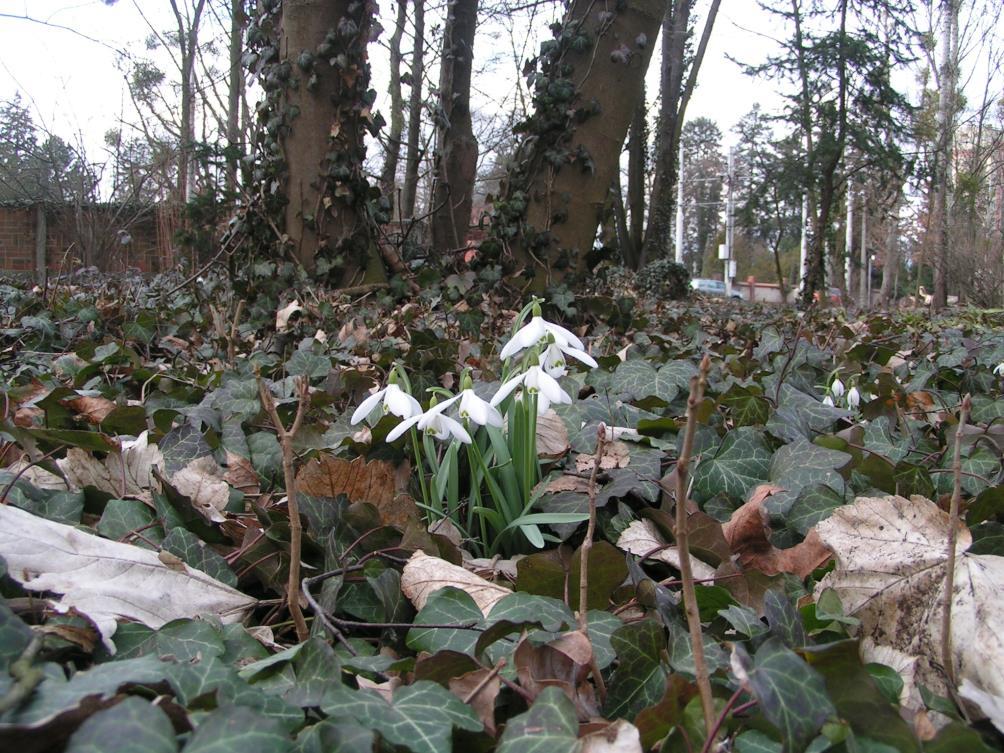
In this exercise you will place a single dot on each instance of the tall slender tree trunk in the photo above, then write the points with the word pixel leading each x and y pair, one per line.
pixel 456 159
pixel 388 176
pixel 637 167
pixel 188 35
pixel 413 158
pixel 948 81
pixel 235 89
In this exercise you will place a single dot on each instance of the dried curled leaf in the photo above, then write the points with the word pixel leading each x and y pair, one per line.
pixel 642 538
pixel 424 575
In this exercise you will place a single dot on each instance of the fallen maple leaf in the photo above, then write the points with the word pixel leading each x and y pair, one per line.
pixel 748 535
pixel 106 580
pixel 126 473
pixel 379 482
pixel 424 575
pixel 203 483
pixel 891 564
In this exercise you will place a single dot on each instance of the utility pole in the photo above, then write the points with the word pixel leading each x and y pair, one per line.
pixel 849 237
pixel 864 284
pixel 679 209
pixel 730 225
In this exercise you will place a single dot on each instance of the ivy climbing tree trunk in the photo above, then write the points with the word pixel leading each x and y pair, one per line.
pixel 413 157
pixel 586 92
pixel 456 149
pixel 326 106
pixel 388 176
pixel 235 90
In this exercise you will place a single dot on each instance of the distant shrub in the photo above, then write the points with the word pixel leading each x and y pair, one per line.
pixel 664 278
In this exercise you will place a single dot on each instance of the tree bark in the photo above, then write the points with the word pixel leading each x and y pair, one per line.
pixel 414 157
pixel 573 157
pixel 456 149
pixel 327 116
pixel 637 167
pixel 235 89
pixel 388 176
pixel 188 35
pixel 946 125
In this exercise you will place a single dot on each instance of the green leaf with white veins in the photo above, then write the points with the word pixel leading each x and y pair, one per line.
pixel 802 463
pixel 639 379
pixel 740 463
pixel 550 726
pixel 640 678
pixel 419 717
pixel 132 725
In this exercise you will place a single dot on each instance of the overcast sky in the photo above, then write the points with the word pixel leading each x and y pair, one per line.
pixel 75 88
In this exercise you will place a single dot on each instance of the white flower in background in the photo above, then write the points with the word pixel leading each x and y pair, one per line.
pixel 553 358
pixel 837 388
pixel 537 382
pixel 433 422
pixel 536 330
pixel 999 369
pixel 395 400
pixel 853 397
pixel 828 401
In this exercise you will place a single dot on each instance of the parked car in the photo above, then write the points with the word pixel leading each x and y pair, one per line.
pixel 713 287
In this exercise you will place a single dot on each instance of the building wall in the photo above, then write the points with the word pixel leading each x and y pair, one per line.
pixel 110 237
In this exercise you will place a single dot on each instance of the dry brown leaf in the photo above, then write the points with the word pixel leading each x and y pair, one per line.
pixel 379 482
pixel 107 580
pixel 485 685
pixel 642 538
pixel 424 575
pixel 241 475
pixel 127 473
pixel 563 663
pixel 891 566
pixel 615 455
pixel 552 436
pixel 355 330
pixel 748 535
pixel 567 483
pixel 202 482
pixel 92 409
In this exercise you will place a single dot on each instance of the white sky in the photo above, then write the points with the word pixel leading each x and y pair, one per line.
pixel 75 89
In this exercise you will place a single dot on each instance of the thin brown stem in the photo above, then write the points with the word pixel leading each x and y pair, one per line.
pixel 697 385
pixel 584 551
pixel 947 659
pixel 286 437
pixel 720 720
pixel 484 682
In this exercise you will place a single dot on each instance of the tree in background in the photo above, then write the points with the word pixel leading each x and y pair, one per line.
pixel 704 166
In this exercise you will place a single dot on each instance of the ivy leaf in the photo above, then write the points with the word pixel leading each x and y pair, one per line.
pixel 740 463
pixel 791 694
pixel 640 677
pixel 748 406
pixel 305 363
pixel 638 379
pixel 123 516
pixel 327 736
pixel 785 622
pixel 447 606
pixel 802 463
pixel 419 717
pixel 132 725
pixel 550 726
pixel 235 729
pixel 238 400
pixel 812 505
pixel 181 446
pixel 193 551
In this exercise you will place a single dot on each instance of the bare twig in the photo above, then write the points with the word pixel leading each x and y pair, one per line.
pixel 286 437
pixel 587 546
pixel 697 384
pixel 484 682
pixel 232 339
pixel 947 660
pixel 720 720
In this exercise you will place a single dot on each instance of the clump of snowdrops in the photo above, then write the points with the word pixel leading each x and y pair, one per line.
pixel 476 460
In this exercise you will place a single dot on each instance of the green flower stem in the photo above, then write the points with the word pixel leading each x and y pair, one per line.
pixel 420 467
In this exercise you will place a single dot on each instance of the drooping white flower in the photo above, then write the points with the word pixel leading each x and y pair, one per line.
pixel 853 397
pixel 536 330
pixel 552 360
pixel 433 422
pixel 395 400
pixel 828 401
pixel 837 388
pixel 999 369
pixel 536 381
pixel 474 408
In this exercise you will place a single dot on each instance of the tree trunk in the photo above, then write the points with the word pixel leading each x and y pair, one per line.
pixel 188 35
pixel 456 150
pixel 637 167
pixel 890 260
pixel 573 153
pixel 235 89
pixel 946 125
pixel 388 177
pixel 323 46
pixel 414 157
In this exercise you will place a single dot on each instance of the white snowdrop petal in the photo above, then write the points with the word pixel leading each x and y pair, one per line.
pixel 402 427
pixel 506 389
pixel 564 336
pixel 400 403
pixel 366 406
pixel 581 355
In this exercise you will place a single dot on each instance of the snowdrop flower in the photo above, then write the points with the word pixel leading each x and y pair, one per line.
pixel 853 397
pixel 828 401
pixel 536 381
pixel 837 388
pixel 999 369
pixel 553 358
pixel 395 400
pixel 433 422
pixel 536 330
pixel 475 409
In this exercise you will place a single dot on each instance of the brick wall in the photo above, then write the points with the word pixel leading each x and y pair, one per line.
pixel 112 238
